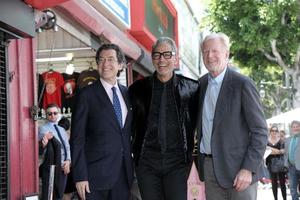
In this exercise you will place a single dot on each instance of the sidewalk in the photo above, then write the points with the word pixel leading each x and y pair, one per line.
pixel 265 192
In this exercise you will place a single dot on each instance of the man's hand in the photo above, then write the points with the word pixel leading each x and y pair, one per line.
pixel 242 180
pixel 48 136
pixel 82 187
pixel 66 167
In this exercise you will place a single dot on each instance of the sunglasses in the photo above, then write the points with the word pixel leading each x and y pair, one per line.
pixel 274 130
pixel 166 55
pixel 52 113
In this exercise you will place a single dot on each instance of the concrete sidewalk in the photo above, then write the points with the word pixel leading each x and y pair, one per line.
pixel 265 192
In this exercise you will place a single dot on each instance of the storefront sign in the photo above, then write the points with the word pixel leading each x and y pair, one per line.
pixel 119 8
pixel 159 20
pixel 152 19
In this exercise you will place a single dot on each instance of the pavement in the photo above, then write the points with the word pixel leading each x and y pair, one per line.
pixel 265 192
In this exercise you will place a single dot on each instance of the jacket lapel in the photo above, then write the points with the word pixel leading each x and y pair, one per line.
pixel 224 99
pixel 203 86
pixel 126 99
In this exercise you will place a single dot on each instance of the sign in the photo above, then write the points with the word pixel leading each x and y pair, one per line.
pixel 119 8
pixel 159 19
pixel 196 188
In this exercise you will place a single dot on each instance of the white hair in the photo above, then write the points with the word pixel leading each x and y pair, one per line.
pixel 221 36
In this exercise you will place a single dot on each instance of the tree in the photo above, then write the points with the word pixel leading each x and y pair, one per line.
pixel 265 36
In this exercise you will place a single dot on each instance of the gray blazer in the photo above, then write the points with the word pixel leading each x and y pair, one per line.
pixel 239 133
pixel 297 153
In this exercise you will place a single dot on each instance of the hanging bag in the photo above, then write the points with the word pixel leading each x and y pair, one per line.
pixel 277 164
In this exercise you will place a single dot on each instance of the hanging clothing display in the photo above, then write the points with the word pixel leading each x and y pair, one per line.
pixel 41 85
pixel 53 85
pixel 87 77
pixel 70 88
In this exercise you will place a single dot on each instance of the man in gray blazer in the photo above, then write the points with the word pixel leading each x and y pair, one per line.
pixel 292 151
pixel 232 130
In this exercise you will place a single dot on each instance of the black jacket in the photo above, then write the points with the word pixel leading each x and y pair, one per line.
pixel 52 157
pixel 185 96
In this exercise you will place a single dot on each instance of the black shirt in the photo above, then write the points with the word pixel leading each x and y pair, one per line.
pixel 157 139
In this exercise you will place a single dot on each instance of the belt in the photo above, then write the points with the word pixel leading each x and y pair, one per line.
pixel 207 155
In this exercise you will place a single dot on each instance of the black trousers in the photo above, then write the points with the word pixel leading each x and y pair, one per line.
pixel 162 177
pixel 275 177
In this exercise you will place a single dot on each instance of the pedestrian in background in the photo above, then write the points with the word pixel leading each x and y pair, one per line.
pixel 292 150
pixel 55 141
pixel 276 145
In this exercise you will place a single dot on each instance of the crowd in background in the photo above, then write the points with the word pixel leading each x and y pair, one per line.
pixel 282 161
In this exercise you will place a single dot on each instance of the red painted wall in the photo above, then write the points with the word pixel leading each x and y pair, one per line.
pixel 23 145
pixel 42 4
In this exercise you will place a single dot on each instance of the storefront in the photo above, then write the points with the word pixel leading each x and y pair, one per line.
pixel 151 20
pixel 18 174
pixel 30 41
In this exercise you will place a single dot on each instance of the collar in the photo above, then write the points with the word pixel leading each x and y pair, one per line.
pixel 296 135
pixel 108 86
pixel 173 79
pixel 217 80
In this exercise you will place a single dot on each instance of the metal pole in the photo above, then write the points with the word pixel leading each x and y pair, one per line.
pixel 51 182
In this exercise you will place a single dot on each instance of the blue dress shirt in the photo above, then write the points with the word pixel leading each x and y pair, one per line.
pixel 209 107
pixel 49 127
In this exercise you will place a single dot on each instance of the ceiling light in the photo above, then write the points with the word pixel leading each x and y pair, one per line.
pixel 55 59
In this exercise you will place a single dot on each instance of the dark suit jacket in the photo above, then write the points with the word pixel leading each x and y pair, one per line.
pixel 98 144
pixel 239 133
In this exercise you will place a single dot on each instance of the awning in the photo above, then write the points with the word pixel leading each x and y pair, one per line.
pixel 286 117
pixel 96 23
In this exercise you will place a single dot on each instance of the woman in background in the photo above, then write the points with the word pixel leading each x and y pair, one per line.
pixel 277 149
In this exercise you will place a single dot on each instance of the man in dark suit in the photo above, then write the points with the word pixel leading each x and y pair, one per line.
pixel 232 130
pixel 100 135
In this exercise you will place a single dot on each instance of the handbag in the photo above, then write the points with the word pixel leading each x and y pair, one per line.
pixel 277 164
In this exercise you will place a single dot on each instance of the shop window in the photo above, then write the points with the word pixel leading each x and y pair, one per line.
pixel 3 120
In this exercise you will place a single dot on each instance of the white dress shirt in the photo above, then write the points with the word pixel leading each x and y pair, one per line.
pixel 109 92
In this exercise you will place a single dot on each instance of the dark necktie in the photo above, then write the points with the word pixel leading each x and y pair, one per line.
pixel 117 106
pixel 61 141
pixel 162 121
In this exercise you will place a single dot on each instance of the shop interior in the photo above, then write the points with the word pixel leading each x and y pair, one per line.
pixel 62 58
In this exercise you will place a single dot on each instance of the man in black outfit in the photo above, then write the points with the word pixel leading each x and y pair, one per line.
pixel 163 127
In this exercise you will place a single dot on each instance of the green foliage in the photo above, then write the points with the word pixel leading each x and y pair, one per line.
pixel 251 26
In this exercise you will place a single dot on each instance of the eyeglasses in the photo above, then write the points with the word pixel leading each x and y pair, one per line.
pixel 52 113
pixel 166 55
pixel 108 60
pixel 274 130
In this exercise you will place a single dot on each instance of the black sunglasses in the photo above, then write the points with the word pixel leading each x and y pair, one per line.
pixel 273 130
pixel 52 113
pixel 166 55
